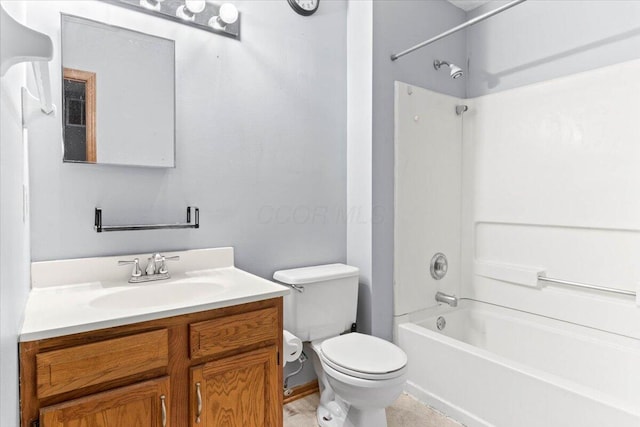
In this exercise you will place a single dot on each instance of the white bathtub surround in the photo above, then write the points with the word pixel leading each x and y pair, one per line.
pixel 79 295
pixel 492 366
pixel 549 184
pixel 428 162
pixel 551 179
pixel 549 188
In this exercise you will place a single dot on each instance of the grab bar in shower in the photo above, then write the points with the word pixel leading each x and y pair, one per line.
pixel 587 286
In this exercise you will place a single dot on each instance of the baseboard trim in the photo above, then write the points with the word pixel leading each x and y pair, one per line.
pixel 300 391
pixel 444 407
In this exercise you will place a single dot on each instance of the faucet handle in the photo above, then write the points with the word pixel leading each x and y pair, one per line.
pixel 136 267
pixel 163 265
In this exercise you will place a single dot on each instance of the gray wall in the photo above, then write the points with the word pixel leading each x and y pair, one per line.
pixel 14 259
pixel 261 146
pixel 398 25
pixel 541 40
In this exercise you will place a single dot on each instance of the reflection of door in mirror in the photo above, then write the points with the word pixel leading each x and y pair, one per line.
pixel 79 116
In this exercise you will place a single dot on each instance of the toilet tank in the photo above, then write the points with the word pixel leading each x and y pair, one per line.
pixel 322 302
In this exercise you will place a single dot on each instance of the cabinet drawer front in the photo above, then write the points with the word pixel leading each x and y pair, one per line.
pixel 217 336
pixel 72 368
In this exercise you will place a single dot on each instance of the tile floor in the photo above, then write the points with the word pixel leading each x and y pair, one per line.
pixel 405 412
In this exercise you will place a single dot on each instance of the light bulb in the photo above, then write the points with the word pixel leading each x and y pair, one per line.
pixel 227 15
pixel 195 6
pixel 151 4
pixel 190 9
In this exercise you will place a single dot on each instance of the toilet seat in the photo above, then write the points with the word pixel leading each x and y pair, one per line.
pixel 364 356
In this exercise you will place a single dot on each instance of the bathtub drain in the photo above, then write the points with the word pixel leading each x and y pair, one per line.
pixel 441 323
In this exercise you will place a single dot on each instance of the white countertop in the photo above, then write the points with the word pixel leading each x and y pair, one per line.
pixel 55 309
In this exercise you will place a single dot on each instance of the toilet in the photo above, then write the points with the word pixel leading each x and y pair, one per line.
pixel 359 375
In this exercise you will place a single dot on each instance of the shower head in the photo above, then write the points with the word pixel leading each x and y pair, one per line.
pixel 455 70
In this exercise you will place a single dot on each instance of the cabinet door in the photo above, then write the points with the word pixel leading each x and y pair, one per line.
pixel 143 404
pixel 239 391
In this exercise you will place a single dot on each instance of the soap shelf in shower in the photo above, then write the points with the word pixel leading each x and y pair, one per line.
pixel 517 274
pixel 99 227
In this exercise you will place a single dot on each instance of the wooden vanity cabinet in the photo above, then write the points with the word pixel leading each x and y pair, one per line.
pixel 214 368
pixel 141 404
pixel 237 391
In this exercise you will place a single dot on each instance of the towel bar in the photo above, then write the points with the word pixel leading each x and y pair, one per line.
pixel 100 228
pixel 587 286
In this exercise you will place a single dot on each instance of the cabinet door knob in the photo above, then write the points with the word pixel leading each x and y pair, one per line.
pixel 164 410
pixel 199 397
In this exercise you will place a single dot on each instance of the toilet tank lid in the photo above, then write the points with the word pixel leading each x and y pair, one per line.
pixel 318 273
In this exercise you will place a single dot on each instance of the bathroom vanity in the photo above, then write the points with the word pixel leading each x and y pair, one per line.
pixel 204 359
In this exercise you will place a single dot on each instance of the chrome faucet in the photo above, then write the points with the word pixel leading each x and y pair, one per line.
pixel 449 299
pixel 156 268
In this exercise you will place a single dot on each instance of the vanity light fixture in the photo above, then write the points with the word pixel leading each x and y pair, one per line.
pixel 208 15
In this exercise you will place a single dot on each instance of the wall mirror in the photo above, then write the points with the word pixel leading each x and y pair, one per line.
pixel 118 95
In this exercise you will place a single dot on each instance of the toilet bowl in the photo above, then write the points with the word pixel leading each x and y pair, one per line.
pixel 359 375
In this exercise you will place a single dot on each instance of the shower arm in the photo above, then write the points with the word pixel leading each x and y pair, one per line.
pixel 458 28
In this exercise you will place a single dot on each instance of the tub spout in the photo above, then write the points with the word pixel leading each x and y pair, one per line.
pixel 449 299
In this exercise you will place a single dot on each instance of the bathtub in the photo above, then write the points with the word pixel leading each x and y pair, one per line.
pixel 493 366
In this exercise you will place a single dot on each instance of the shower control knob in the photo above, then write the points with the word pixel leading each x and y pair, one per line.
pixel 439 266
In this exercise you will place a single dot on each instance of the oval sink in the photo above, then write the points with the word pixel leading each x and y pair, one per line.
pixel 159 294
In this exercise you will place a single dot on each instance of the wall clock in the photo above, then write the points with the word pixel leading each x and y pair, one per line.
pixel 304 7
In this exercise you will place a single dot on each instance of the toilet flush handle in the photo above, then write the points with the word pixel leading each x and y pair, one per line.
pixel 297 288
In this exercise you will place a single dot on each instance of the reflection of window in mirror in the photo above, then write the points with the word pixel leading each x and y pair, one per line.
pixel 79 116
